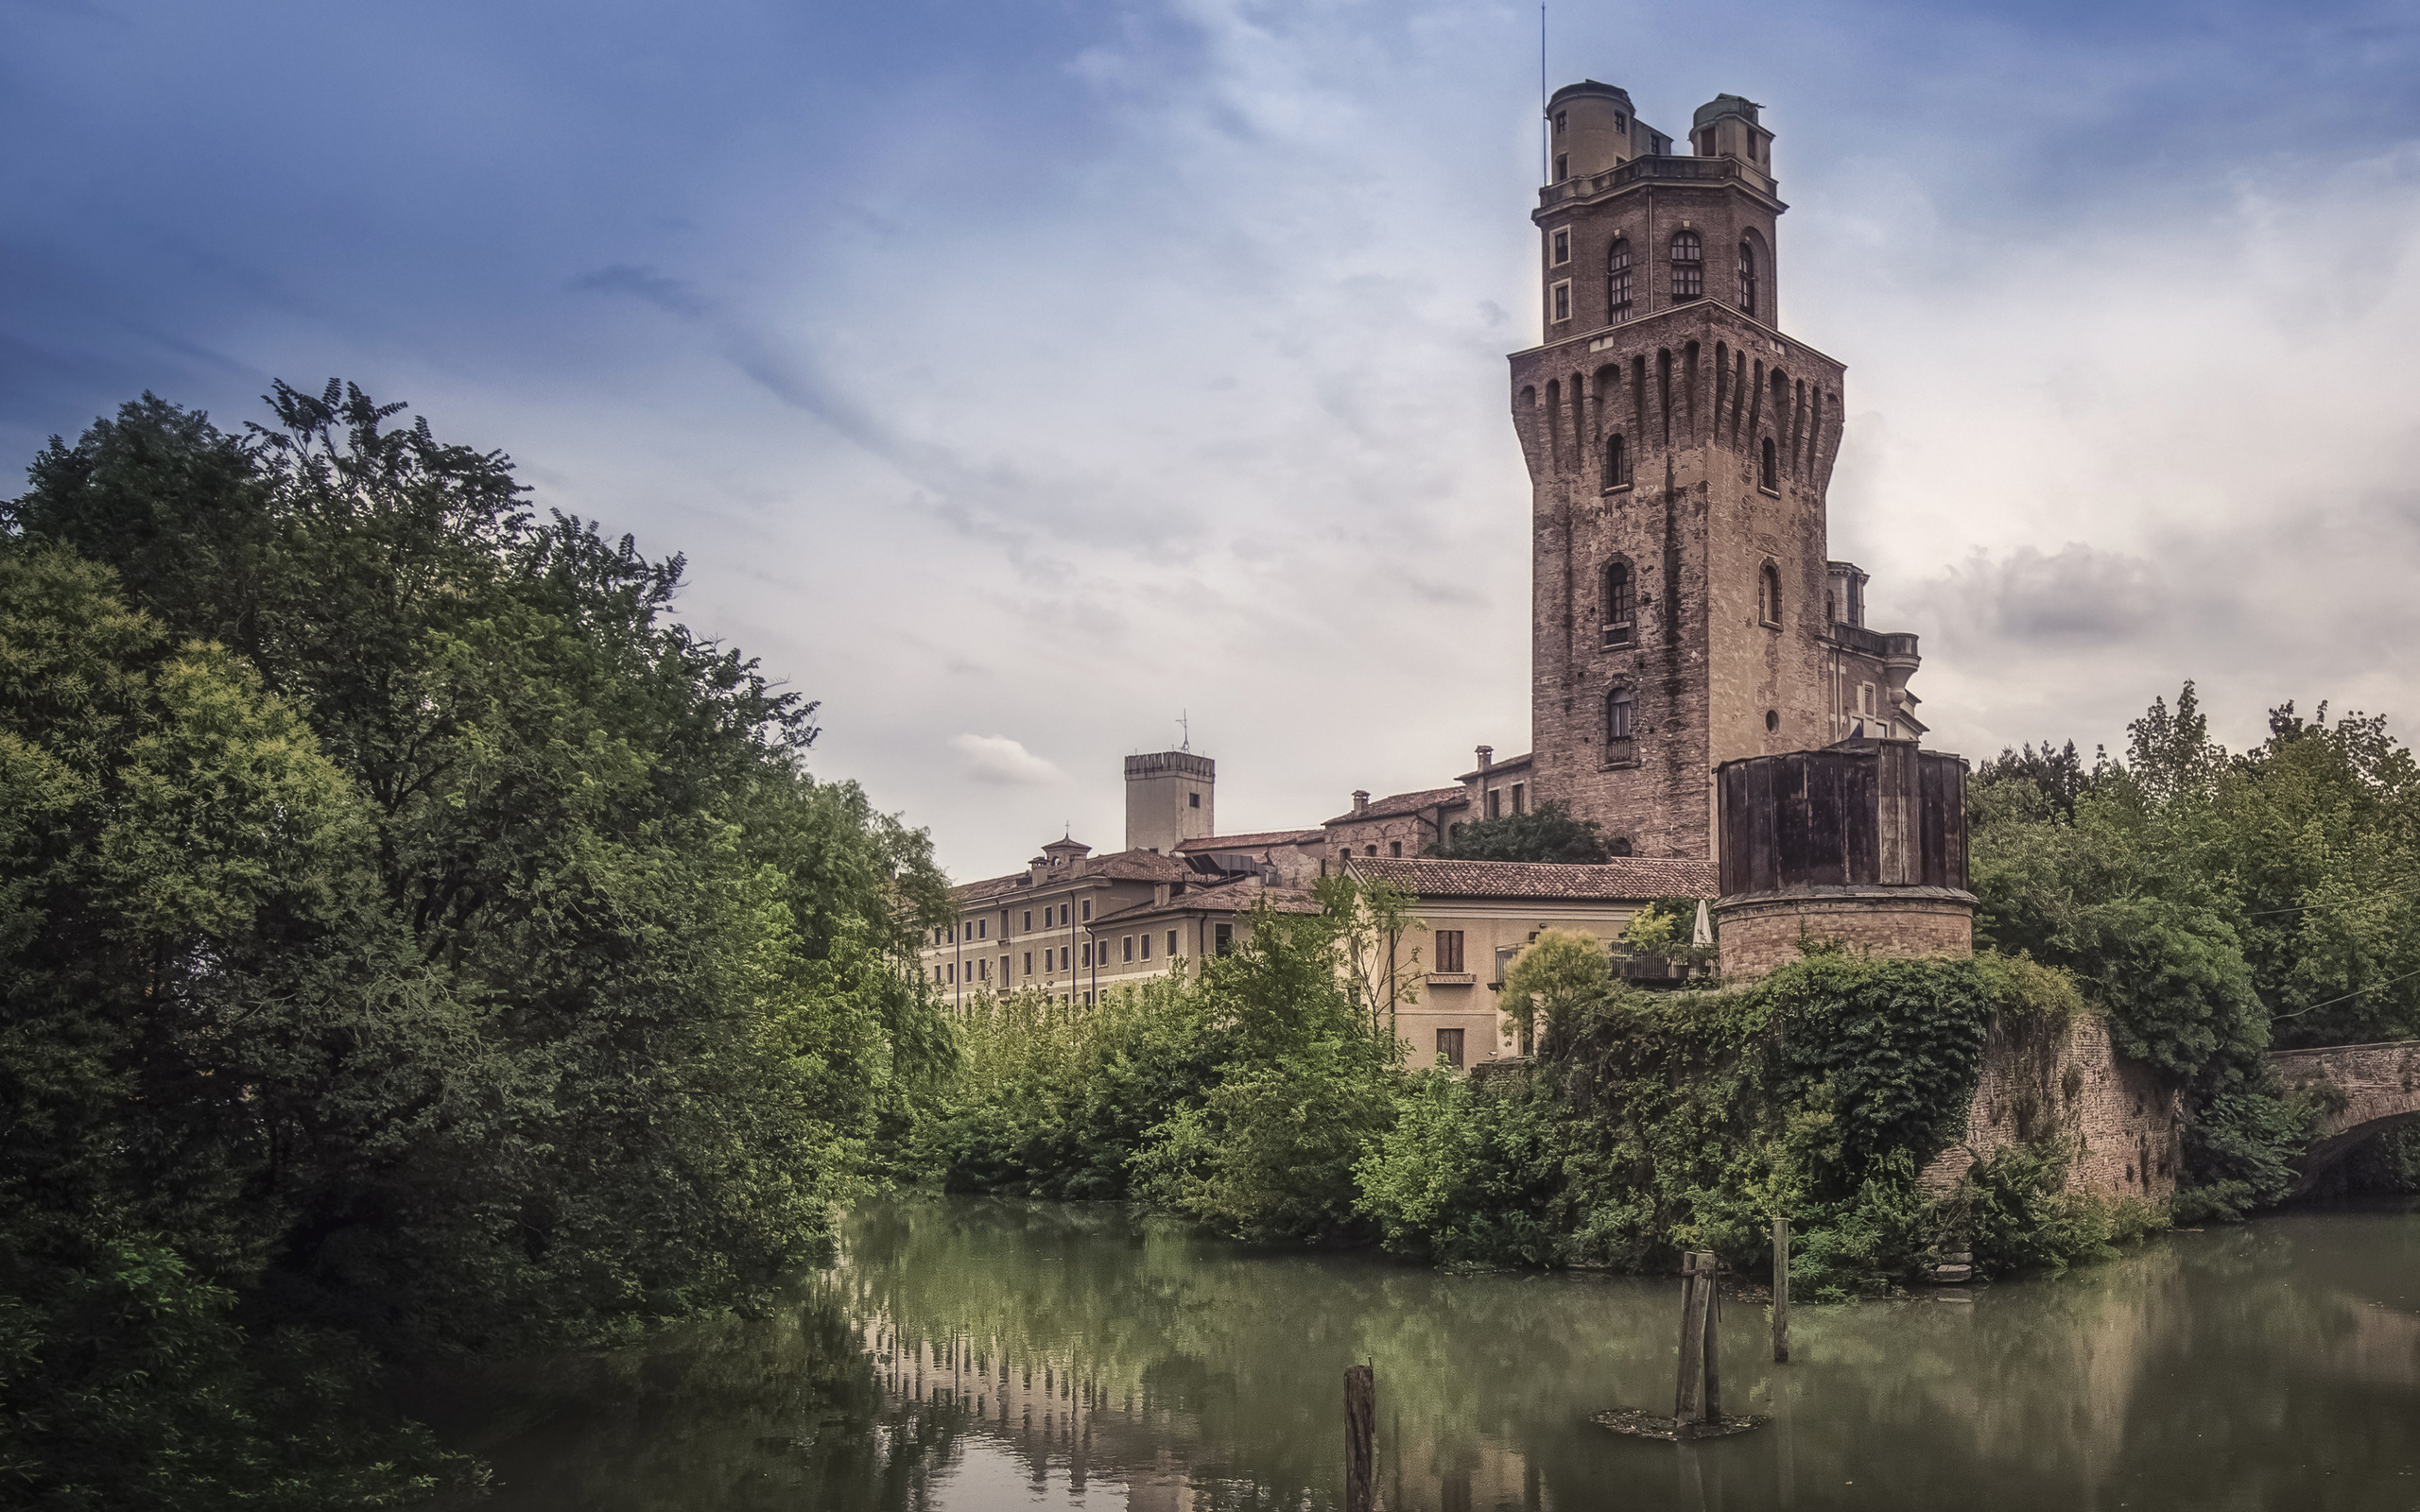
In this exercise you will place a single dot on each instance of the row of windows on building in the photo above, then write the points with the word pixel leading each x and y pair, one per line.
pixel 1055 916
pixel 1133 948
pixel 1685 259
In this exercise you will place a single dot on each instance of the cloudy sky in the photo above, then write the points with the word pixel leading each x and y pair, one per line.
pixel 1020 377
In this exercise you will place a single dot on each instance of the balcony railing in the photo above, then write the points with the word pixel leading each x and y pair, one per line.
pixel 1667 169
pixel 1896 645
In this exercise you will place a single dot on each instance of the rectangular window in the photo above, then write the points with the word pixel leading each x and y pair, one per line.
pixel 1394 847
pixel 1127 949
pixel 1561 166
pixel 982 929
pixel 1028 963
pixel 1449 1044
pixel 1086 958
pixel 1224 936
pixel 983 968
pixel 953 970
pixel 953 936
pixel 1621 122
pixel 1520 797
pixel 1561 241
pixel 1029 920
pixel 1193 801
pixel 1496 803
pixel 1449 950
pixel 1146 947
pixel 1066 958
pixel 1171 943
pixel 1004 969
pixel 936 974
pixel 1088 910
pixel 1562 118
pixel 1563 300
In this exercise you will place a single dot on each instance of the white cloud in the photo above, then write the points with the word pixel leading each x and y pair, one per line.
pixel 999 762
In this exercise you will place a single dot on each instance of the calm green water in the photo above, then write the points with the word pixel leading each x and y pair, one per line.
pixel 968 1354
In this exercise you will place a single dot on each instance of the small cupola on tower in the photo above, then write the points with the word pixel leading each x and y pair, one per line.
pixel 1726 126
pixel 1591 129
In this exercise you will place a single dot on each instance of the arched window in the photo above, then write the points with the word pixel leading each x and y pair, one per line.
pixel 1617 726
pixel 1620 602
pixel 1617 288
pixel 1620 846
pixel 1616 462
pixel 1688 266
pixel 1747 276
pixel 1770 473
pixel 1768 595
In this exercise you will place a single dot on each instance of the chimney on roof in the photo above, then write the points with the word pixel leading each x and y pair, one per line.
pixel 1159 895
pixel 1361 800
pixel 1486 757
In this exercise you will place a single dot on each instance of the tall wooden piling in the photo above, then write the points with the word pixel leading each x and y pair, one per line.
pixel 1781 1291
pixel 1360 1438
pixel 1696 1396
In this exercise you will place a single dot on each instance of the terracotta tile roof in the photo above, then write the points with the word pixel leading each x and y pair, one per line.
pixel 1624 878
pixel 1400 803
pixel 1218 898
pixel 1119 865
pixel 1258 840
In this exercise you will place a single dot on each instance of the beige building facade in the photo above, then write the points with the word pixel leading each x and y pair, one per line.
pixel 1477 916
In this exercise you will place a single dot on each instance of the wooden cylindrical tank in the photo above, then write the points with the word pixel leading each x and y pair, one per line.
pixel 1862 844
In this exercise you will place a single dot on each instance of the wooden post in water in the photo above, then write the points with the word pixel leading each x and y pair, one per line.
pixel 1696 1397
pixel 1360 1438
pixel 1781 1291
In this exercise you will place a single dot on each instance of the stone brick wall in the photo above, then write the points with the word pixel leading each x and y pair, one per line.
pixel 1759 932
pixel 2070 1082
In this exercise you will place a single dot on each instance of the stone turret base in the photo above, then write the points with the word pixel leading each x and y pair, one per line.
pixel 1761 931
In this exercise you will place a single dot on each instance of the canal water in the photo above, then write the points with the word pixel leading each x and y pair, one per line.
pixel 967 1354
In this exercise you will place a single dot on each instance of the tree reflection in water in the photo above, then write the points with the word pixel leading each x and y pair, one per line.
pixel 970 1354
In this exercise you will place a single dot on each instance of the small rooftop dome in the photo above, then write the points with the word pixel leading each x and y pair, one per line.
pixel 1722 105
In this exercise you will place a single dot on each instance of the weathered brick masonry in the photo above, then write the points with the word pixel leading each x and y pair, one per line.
pixel 2068 1080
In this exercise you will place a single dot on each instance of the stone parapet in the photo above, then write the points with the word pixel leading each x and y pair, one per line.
pixel 1758 932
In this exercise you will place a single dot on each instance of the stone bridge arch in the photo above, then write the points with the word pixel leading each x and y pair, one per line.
pixel 2375 1088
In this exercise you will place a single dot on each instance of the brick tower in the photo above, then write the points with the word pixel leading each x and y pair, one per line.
pixel 1683 609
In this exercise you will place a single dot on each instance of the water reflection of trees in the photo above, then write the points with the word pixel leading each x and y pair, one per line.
pixel 1069 1348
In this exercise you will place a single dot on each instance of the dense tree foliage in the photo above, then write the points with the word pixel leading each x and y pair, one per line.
pixel 413 939
pixel 1242 1098
pixel 1545 833
pixel 2218 902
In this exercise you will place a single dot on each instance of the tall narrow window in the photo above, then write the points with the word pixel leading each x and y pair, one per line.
pixel 1559 245
pixel 1770 471
pixel 1617 288
pixel 1449 1044
pixel 1621 601
pixel 1222 938
pixel 1617 463
pixel 1768 595
pixel 1747 277
pixel 1563 300
pixel 1617 726
pixel 1520 797
pixel 1449 950
pixel 1688 266
pixel 1561 166
pixel 1394 847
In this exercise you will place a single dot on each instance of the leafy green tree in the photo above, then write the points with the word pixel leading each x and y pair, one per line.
pixel 410 929
pixel 1547 832
pixel 1557 978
